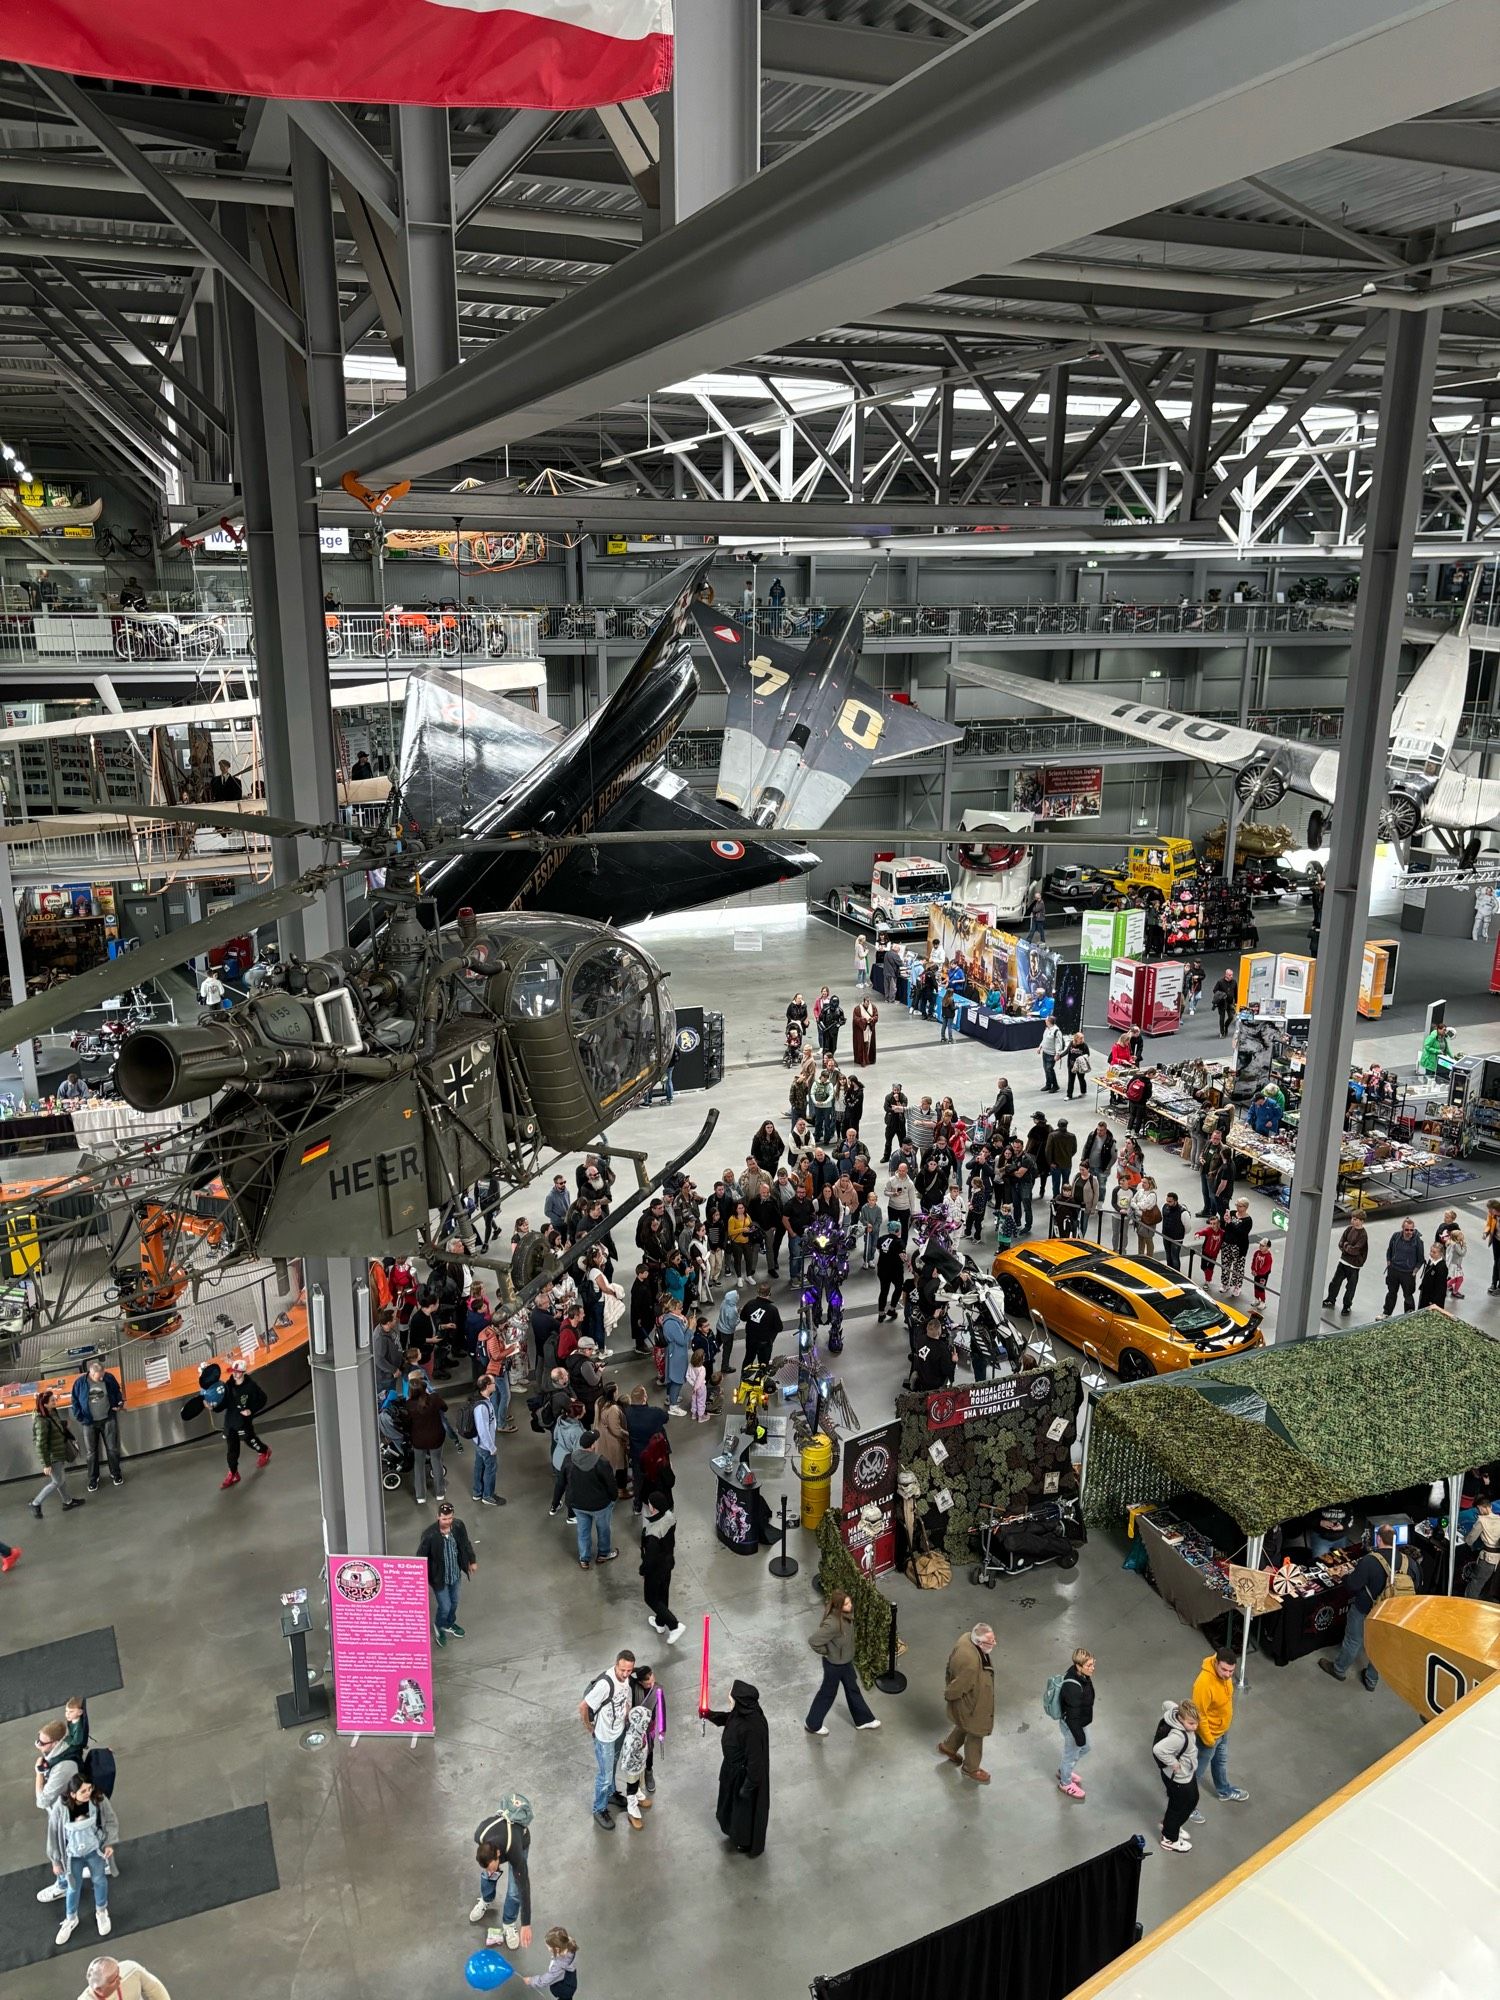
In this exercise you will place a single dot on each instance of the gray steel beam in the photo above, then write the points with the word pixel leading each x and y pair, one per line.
pixel 715 121
pixel 799 49
pixel 1167 435
pixel 1200 435
pixel 1327 378
pixel 162 363
pixel 237 270
pixel 349 153
pixel 1369 248
pixel 429 289
pixel 343 1392
pixel 500 158
pixel 1374 659
pixel 138 423
pixel 1471 147
pixel 1057 434
pixel 1033 132
pixel 318 277
pixel 380 254
pixel 109 363
pixel 144 451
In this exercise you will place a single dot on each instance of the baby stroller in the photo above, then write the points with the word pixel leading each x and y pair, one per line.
pixel 1012 1544
pixel 791 1055
pixel 395 1463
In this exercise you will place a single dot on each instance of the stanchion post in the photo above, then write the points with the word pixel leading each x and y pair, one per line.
pixel 782 1564
pixel 891 1681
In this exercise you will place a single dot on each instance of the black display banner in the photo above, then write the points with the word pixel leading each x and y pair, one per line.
pixel 871 1462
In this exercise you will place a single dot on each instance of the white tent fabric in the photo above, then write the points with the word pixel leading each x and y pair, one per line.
pixel 1387 1893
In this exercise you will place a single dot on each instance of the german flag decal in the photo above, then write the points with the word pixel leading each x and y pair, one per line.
pixel 315 1152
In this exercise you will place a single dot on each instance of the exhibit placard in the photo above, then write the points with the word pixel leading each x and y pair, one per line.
pixel 870 1463
pixel 381 1628
pixel 1097 946
pixel 948 1408
pixel 1071 791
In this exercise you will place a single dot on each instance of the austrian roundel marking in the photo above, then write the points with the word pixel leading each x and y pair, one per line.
pixel 729 850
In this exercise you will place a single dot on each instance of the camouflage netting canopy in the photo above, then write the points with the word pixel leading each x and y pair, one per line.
pixel 1272 1434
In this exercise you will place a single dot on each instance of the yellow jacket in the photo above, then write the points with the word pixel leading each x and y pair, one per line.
pixel 1214 1700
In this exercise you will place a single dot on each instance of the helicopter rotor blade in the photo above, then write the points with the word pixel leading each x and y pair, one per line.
pixel 788 836
pixel 268 824
pixel 103 982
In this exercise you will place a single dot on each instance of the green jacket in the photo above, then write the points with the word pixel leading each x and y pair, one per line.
pixel 50 1435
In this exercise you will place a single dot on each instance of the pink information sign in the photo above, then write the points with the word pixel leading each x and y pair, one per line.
pixel 382 1645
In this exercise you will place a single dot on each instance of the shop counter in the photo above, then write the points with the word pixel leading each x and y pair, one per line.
pixel 1002 1031
pixel 36 1132
pixel 1183 1572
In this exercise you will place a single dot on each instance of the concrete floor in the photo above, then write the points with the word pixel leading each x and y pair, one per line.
pixel 373 1839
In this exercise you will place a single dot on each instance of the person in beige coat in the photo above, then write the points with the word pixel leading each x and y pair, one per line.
pixel 614 1442
pixel 969 1693
pixel 122 1979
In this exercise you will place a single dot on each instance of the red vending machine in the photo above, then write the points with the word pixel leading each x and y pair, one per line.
pixel 1148 997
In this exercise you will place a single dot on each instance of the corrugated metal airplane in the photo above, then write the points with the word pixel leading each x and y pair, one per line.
pixel 1422 784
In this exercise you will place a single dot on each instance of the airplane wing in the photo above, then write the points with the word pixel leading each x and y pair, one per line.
pixel 909 733
pixel 462 746
pixel 1463 803
pixel 756 679
pixel 1300 766
pixel 626 884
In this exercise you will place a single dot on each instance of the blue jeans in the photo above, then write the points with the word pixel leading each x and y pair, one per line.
pixel 484 1474
pixel 1216 1762
pixel 947 1033
pixel 1071 1752
pixel 604 1768
pixel 502 1401
pixel 859 975
pixel 447 1604
pixel 1049 1071
pixel 510 1909
pixel 78 1864
pixel 1353 1647
pixel 589 1524
pixel 835 1678
pixel 872 1235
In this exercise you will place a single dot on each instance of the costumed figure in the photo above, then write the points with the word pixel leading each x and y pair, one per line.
pixel 744 1807
pixel 825 1266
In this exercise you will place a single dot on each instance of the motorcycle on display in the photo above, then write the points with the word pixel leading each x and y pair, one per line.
pixel 417 634
pixel 333 634
pixel 162 636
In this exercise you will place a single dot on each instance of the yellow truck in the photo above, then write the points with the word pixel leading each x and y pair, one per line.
pixel 1153 868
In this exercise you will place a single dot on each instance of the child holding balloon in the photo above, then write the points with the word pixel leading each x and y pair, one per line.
pixel 561 1977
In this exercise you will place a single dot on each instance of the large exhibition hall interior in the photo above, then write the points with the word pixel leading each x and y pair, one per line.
pixel 750 885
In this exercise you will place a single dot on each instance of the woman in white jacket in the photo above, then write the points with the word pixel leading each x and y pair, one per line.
pixel 1145 1213
pixel 1175 1748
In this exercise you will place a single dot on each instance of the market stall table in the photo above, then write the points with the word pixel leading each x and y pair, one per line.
pixel 1002 1031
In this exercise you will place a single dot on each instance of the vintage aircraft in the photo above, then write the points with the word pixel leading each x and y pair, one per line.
pixel 1424 789
pixel 800 727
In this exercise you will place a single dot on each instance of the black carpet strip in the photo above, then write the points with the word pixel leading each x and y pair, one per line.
pixel 43 1677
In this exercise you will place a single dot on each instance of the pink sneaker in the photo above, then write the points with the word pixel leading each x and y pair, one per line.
pixel 1072 1789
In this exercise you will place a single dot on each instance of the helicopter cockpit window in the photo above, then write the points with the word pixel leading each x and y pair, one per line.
pixel 614 1019
pixel 536 990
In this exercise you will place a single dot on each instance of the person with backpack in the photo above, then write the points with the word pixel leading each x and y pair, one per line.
pixel 1175 1748
pixel 240 1400
pixel 81 1833
pixel 1138 1097
pixel 426 1430
pixel 57 1766
pixel 591 1501
pixel 604 1712
pixel 503 1840
pixel 449 1555
pixel 1213 1697
pixel 52 1439
pixel 1381 1571
pixel 1069 1700
pixel 566 1430
pixel 478 1420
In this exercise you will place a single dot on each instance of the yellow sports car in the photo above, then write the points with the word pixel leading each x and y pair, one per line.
pixel 1134 1314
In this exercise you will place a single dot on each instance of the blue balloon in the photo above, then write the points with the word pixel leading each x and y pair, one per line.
pixel 486 1970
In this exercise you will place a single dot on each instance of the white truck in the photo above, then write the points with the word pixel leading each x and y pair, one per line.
pixel 903 891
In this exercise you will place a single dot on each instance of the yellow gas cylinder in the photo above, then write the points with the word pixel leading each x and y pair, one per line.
pixel 816 1471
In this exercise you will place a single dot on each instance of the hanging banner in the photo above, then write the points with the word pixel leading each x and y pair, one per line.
pixel 382 1645
pixel 1070 791
pixel 871 1462
pixel 948 1408
pixel 531 55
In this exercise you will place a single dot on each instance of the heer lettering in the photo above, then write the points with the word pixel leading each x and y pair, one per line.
pixel 364 1175
pixel 379 1169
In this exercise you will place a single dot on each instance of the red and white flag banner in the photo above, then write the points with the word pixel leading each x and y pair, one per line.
pixel 553 55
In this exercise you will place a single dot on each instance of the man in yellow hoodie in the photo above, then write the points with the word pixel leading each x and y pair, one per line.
pixel 1213 1697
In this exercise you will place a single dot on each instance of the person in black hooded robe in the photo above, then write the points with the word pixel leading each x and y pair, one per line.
pixel 744 1808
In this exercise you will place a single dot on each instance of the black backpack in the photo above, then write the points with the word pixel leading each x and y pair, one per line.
pixel 467 1428
pixel 98 1766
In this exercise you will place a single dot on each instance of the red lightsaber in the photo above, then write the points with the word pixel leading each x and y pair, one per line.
pixel 703 1676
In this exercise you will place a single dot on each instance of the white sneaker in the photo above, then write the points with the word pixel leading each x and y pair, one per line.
pixel 478 1913
pixel 675 1634
pixel 653 1624
pixel 512 1937
pixel 65 1930
pixel 676 1410
pixel 1181 1845
pixel 873 1723
pixel 53 1895
pixel 102 1919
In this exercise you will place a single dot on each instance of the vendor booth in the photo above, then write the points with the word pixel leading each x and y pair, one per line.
pixel 1207 1467
pixel 1148 997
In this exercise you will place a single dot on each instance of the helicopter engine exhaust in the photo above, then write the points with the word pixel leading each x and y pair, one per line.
pixel 159 1067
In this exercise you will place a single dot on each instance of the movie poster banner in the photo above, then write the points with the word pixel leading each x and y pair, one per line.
pixel 1061 791
pixel 382 1645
